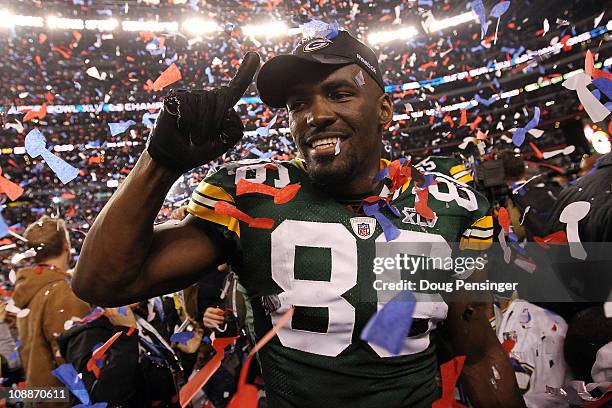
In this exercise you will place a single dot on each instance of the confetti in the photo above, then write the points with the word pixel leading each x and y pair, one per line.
pixel 120 127
pixel 498 10
pixel 35 145
pixel 246 394
pixel 595 109
pixel 39 114
pixel 391 231
pixel 486 102
pixel 281 195
pixel 93 364
pixel 598 19
pixel 570 216
pixel 450 372
pixel 12 190
pixel 337 149
pixel 546 27
pixel 504 219
pixel 68 375
pixel 463 120
pixel 479 9
pixel 265 131
pixel 518 138
pixel 389 327
pixel 182 337
pixel 565 151
pixel 94 73
pixel 168 77
pixel 221 207
pixel 359 79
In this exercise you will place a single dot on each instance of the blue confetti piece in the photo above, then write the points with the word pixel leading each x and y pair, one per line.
pixel 499 9
pixel 100 363
pixel 120 127
pixel 428 180
pixel 485 102
pixel 182 337
pixel 604 85
pixel 285 141
pixel 14 356
pixel 97 346
pixel 541 69
pixel 422 3
pixel 36 145
pixel 4 229
pixel 391 231
pixel 122 310
pixel 478 8
pixel 389 327
pixel 265 131
pixel 597 94
pixel 317 28
pixel 381 174
pixel 608 106
pixel 148 119
pixel 68 375
pixel 211 78
pixel 17 343
pixel 518 138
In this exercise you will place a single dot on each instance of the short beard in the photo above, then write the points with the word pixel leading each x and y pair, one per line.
pixel 334 183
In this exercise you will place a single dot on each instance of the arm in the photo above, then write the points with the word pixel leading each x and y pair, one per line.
pixel 125 259
pixel 474 338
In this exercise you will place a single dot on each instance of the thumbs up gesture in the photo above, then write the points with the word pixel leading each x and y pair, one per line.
pixel 195 127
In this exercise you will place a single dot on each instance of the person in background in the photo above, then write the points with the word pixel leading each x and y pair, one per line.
pixel 45 297
pixel 140 369
pixel 534 338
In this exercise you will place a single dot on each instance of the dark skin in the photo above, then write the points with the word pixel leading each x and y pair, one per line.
pixel 125 259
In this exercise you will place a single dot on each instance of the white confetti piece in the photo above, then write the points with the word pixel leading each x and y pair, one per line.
pixel 570 216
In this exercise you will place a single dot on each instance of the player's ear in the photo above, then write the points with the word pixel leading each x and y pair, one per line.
pixel 385 113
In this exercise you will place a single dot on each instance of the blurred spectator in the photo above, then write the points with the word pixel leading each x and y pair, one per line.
pixel 534 337
pixel 45 297
pixel 140 369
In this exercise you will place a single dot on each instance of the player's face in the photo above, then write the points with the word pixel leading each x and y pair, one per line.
pixel 329 106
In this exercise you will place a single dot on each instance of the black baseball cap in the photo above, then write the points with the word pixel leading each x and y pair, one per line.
pixel 278 74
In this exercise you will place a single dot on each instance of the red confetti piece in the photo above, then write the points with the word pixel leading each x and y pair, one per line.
pixel 100 353
pixel 589 68
pixel 12 190
pixel 195 384
pixel 421 205
pixel 246 394
pixel 450 372
pixel 537 151
pixel 463 120
pixel 40 114
pixel 504 219
pixel 475 123
pixel 221 207
pixel 281 195
pixel 130 331
pixel 558 237
pixel 508 345
pixel 168 77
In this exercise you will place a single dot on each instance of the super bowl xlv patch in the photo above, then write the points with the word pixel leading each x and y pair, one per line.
pixel 411 216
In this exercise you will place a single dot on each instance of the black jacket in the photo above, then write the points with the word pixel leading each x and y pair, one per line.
pixel 136 371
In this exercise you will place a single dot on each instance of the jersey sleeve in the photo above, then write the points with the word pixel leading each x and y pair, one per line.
pixel 217 186
pixel 478 235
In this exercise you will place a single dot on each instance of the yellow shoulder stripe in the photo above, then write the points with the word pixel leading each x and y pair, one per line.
pixel 210 215
pixel 484 222
pixel 213 191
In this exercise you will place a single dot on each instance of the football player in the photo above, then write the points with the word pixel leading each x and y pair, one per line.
pixel 294 234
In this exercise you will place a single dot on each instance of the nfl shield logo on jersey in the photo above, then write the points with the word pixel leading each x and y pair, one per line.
pixel 363 227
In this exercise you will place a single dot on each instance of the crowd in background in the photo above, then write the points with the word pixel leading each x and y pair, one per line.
pixel 49 66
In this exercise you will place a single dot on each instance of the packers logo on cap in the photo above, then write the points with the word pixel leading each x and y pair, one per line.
pixel 316 44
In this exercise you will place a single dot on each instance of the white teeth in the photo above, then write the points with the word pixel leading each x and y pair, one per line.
pixel 326 141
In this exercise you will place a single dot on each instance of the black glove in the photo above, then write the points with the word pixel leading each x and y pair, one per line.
pixel 195 127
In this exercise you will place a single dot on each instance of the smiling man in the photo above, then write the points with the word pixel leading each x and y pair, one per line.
pixel 310 247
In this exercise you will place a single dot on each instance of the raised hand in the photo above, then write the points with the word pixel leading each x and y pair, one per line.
pixel 195 127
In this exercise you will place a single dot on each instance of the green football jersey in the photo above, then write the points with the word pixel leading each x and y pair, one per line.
pixel 447 165
pixel 318 257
